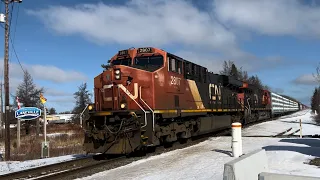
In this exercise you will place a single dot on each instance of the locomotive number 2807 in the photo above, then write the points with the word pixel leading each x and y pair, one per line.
pixel 175 80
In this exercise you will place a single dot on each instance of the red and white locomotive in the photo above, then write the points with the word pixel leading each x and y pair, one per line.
pixel 147 97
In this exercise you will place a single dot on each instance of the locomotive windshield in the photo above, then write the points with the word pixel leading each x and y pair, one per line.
pixel 149 63
pixel 126 62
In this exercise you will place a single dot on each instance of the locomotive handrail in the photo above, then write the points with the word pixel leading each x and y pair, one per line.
pixel 249 109
pixel 145 113
pixel 81 114
pixel 148 107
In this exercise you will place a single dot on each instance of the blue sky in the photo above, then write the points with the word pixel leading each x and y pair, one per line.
pixel 63 44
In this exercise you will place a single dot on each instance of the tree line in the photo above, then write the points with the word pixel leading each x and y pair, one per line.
pixel 29 96
pixel 315 98
pixel 230 69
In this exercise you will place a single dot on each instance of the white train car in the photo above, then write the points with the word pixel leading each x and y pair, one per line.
pixel 281 105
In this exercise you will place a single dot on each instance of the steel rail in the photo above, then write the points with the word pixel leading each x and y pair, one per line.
pixel 60 168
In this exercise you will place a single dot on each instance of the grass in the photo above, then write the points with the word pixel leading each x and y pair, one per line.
pixel 64 139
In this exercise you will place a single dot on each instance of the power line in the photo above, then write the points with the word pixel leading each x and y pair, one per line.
pixel 15 26
pixel 14 34
pixel 14 50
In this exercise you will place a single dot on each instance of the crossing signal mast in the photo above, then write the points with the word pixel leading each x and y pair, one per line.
pixel 5 19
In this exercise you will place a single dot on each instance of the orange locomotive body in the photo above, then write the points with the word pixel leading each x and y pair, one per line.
pixel 146 97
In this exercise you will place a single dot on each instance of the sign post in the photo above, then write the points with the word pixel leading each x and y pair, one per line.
pixel 44 124
pixel 25 113
pixel 45 145
pixel 18 126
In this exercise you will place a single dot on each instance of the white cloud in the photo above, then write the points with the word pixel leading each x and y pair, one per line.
pixel 271 17
pixel 44 72
pixel 139 22
pixel 306 79
pixel 58 97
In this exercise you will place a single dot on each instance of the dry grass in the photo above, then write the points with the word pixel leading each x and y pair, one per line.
pixel 64 139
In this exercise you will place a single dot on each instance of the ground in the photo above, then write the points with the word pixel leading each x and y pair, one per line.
pixel 205 160
pixel 64 139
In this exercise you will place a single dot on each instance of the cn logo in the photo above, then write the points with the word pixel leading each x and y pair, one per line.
pixel 125 90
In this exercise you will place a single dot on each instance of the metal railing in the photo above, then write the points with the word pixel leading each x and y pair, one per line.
pixel 81 114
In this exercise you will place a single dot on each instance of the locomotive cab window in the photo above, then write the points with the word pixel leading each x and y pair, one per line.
pixel 125 62
pixel 175 65
pixel 149 63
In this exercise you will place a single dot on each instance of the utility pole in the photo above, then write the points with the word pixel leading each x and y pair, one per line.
pixel 6 78
pixel 1 111
pixel 6 82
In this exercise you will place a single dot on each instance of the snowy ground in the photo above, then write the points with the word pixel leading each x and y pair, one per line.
pixel 12 166
pixel 309 126
pixel 205 160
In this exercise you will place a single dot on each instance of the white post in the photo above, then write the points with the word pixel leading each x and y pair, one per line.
pixel 45 124
pixel 18 134
pixel 236 139
pixel 300 129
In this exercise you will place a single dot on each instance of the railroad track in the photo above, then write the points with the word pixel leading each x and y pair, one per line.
pixel 76 168
pixel 58 170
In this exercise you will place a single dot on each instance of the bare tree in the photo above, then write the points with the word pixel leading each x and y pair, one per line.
pixel 317 75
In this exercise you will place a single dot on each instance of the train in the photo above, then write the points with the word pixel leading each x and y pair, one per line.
pixel 146 97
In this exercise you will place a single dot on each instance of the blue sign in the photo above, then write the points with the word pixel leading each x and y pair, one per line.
pixel 28 113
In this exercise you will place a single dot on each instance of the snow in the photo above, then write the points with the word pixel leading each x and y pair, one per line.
pixel 309 126
pixel 12 166
pixel 206 160
pixel 59 134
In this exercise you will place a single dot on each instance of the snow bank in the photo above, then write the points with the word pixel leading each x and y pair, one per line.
pixel 205 160
pixel 12 166
pixel 309 127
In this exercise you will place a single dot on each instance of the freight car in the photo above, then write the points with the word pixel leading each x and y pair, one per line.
pixel 147 97
pixel 281 105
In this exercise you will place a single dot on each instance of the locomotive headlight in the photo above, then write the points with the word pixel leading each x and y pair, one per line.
pixel 90 107
pixel 117 73
pixel 122 105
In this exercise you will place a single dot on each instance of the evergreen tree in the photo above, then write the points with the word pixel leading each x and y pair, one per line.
pixel 28 93
pixel 234 71
pixel 29 96
pixel 230 69
pixel 254 80
pixel 52 111
pixel 82 97
pixel 226 68
pixel 315 100
pixel 65 112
